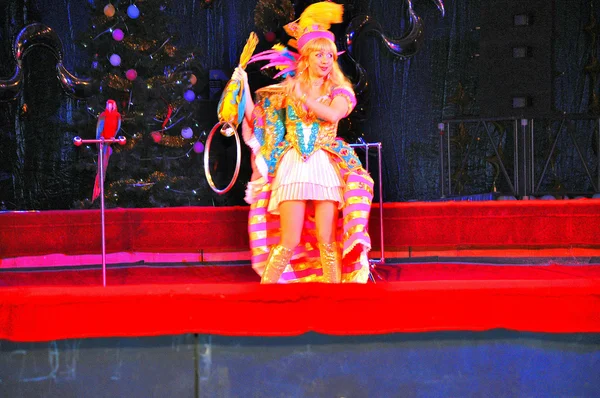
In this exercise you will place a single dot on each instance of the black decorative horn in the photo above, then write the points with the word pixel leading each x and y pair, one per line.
pixel 404 47
pixel 40 35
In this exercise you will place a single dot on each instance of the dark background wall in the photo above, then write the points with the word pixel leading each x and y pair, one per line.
pixel 464 68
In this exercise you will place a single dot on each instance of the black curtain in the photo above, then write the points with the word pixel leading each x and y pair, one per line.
pixel 408 97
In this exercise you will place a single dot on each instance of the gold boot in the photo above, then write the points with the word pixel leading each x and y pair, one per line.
pixel 331 261
pixel 279 258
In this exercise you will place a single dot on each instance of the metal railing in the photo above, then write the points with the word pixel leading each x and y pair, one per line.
pixel 525 138
pixel 366 146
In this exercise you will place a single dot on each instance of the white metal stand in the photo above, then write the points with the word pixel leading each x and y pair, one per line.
pixel 366 145
pixel 120 140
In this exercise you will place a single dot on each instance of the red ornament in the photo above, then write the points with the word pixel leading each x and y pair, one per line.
pixel 109 10
pixel 156 136
pixel 131 74
pixel 270 36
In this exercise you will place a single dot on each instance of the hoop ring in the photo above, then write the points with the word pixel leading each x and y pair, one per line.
pixel 207 152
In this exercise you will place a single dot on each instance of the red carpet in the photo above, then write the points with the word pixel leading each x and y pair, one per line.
pixel 42 305
pixel 228 300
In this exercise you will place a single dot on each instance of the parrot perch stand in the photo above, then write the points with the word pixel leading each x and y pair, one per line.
pixel 101 142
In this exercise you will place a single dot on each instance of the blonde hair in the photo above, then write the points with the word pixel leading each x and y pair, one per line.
pixel 336 77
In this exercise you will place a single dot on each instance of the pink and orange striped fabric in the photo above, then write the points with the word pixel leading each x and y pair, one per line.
pixel 352 232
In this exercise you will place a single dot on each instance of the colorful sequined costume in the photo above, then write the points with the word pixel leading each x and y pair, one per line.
pixel 280 126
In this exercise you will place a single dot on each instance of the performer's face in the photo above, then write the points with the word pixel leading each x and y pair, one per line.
pixel 111 105
pixel 320 63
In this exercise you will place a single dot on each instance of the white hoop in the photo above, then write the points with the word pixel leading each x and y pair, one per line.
pixel 237 161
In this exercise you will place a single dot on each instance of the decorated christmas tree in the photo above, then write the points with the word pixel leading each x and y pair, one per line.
pixel 161 91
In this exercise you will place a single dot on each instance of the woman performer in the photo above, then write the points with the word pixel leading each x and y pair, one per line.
pixel 310 197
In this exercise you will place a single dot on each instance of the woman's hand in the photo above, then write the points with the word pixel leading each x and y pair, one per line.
pixel 240 75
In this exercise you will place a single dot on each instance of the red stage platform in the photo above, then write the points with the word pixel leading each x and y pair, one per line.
pixel 409 227
pixel 228 300
pixel 414 295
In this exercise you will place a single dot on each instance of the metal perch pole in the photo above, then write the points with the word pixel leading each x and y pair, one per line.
pixel 121 141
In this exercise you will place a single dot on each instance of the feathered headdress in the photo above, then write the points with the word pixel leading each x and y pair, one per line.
pixel 314 22
pixel 279 57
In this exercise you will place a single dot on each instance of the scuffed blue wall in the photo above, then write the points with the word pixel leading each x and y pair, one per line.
pixel 497 363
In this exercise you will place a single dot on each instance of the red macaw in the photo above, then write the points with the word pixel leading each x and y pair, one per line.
pixel 109 123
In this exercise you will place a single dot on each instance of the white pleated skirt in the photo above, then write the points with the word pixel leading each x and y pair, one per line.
pixel 317 178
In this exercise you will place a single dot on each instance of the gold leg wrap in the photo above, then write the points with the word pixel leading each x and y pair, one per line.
pixel 331 261
pixel 279 258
